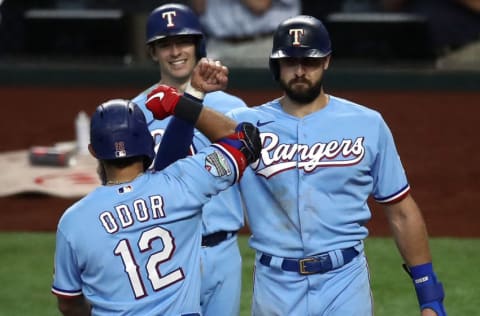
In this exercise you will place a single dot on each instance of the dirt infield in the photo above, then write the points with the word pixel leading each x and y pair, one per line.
pixel 436 134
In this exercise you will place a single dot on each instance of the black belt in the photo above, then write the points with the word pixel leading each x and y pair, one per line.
pixel 317 264
pixel 216 238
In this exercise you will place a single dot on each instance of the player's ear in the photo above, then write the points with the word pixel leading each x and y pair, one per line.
pixel 151 52
pixel 92 151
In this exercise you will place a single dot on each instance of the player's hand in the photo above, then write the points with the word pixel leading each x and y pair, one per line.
pixel 244 145
pixel 209 75
pixel 246 139
pixel 162 101
pixel 249 135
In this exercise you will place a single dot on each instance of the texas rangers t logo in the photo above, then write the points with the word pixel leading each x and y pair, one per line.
pixel 296 36
pixel 169 16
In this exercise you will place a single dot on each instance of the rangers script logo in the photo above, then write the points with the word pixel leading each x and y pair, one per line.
pixel 276 157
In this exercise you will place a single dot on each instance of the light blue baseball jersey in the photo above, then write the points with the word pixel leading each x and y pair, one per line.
pixel 307 194
pixel 134 248
pixel 224 211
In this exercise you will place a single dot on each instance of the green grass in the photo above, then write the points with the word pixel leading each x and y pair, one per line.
pixel 27 263
pixel 26 274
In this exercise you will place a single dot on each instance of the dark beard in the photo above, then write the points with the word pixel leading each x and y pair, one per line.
pixel 304 96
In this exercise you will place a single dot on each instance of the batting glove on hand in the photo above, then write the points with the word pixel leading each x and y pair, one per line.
pixel 246 139
pixel 249 135
pixel 162 101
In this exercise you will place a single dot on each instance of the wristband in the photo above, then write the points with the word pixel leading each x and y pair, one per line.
pixel 430 293
pixel 188 110
pixel 199 95
pixel 191 97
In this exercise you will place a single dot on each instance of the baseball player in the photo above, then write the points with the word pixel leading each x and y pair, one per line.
pixel 131 247
pixel 176 43
pixel 306 197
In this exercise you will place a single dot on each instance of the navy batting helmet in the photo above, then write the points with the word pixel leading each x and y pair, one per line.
pixel 118 129
pixel 300 36
pixel 172 20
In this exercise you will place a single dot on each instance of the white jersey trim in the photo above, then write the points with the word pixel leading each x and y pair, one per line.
pixel 66 293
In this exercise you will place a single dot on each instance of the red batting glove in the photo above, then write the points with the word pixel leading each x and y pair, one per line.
pixel 162 101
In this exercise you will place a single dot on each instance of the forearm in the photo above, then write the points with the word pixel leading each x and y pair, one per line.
pixel 75 306
pixel 214 125
pixel 409 231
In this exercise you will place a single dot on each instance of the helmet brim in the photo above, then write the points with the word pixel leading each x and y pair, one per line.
pixel 298 52
pixel 184 32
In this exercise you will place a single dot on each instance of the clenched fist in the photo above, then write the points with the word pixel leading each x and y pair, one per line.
pixel 209 75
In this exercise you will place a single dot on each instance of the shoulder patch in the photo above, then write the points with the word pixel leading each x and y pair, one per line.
pixel 217 165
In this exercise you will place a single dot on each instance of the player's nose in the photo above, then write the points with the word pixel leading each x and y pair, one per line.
pixel 299 69
pixel 175 49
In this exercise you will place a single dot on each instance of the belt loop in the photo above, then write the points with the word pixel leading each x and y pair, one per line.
pixel 276 262
pixel 336 256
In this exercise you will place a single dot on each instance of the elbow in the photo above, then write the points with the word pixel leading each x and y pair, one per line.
pixel 73 306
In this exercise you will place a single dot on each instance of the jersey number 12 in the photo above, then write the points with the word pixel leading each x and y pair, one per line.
pixel 159 281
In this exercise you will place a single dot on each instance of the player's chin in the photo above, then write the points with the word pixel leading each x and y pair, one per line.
pixel 300 88
pixel 181 74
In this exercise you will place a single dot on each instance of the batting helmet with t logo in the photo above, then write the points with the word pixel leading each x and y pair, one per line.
pixel 175 20
pixel 300 36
